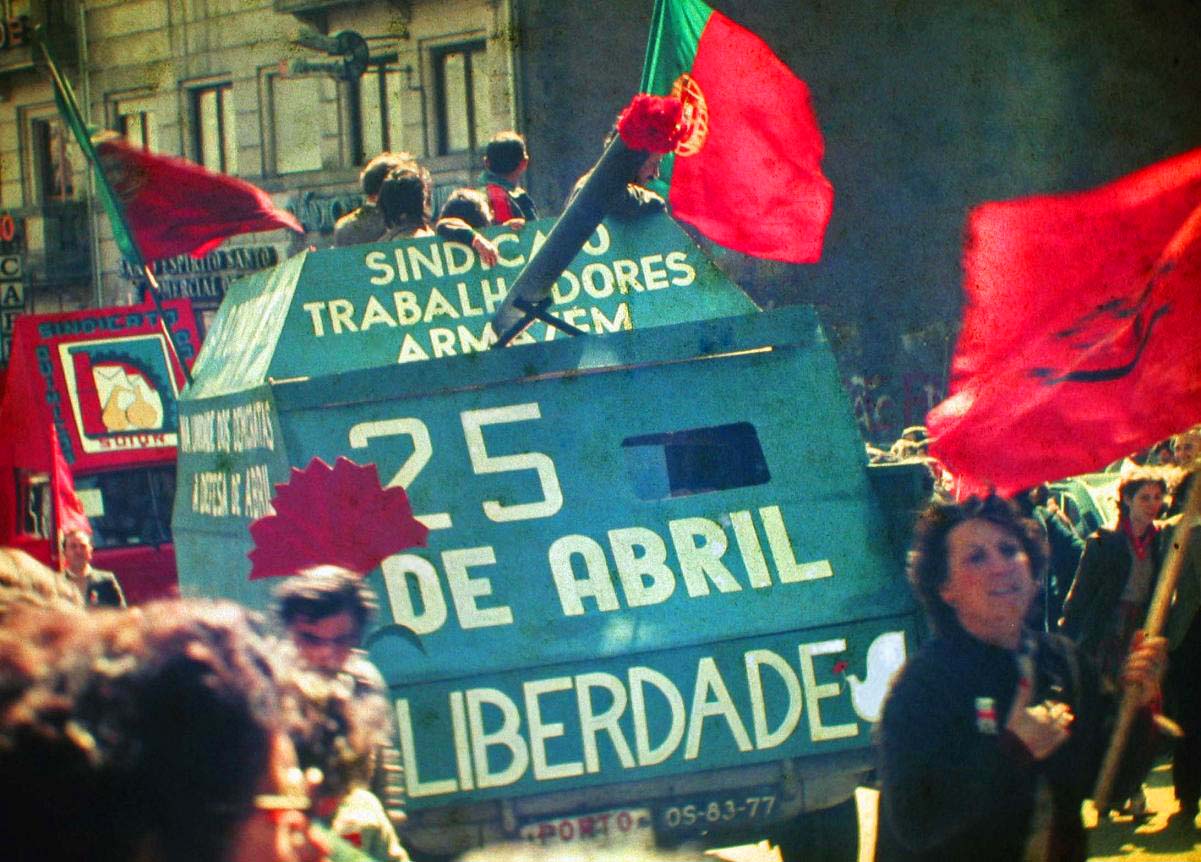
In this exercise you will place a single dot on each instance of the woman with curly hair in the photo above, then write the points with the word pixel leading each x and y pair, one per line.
pixel 992 734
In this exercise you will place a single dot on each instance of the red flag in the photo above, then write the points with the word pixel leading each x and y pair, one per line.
pixel 67 505
pixel 1081 337
pixel 749 174
pixel 173 206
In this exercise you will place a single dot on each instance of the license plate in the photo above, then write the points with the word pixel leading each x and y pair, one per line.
pixel 617 827
pixel 707 813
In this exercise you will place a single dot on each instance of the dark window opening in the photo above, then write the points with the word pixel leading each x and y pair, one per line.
pixel 35 515
pixel 213 128
pixel 681 463
pixel 136 128
pixel 376 115
pixel 461 97
pixel 129 507
pixel 57 160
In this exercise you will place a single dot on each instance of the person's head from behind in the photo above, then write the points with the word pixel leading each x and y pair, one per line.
pixel 1040 494
pixel 976 565
pixel 372 177
pixel 77 550
pixel 1140 496
pixel 404 197
pixel 152 735
pixel 469 205
pixel 325 610
pixel 336 731
pixel 506 155
pixel 26 582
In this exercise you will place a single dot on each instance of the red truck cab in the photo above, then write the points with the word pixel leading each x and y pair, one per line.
pixel 90 402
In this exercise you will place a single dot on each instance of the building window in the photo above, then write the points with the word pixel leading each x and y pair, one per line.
pixel 129 507
pixel 297 118
pixel 137 128
pixel 58 162
pixel 381 120
pixel 213 128
pixel 35 514
pixel 135 122
pixel 461 89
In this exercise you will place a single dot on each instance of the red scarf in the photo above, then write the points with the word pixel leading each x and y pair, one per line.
pixel 1140 545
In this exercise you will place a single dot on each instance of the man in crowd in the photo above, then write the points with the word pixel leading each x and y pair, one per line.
pixel 98 587
pixel 1186 447
pixel 366 223
pixel 325 610
pixel 505 160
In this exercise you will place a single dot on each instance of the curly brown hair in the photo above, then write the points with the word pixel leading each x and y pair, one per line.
pixel 928 567
pixel 323 591
pixel 127 730
pixel 1134 481
pixel 335 730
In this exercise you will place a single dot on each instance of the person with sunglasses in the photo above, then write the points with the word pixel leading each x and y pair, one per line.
pixel 325 611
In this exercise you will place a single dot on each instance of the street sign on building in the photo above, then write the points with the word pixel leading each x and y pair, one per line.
pixel 12 298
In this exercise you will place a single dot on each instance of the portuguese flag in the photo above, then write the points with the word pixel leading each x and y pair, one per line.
pixel 749 176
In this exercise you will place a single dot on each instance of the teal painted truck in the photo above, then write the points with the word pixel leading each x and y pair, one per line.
pixel 660 600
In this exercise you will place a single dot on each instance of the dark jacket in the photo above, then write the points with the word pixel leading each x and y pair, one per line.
pixel 1089 611
pixel 1186 603
pixel 508 200
pixel 955 784
pixel 1066 550
pixel 102 590
pixel 365 224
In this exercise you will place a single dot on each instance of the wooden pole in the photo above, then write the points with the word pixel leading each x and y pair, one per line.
pixel 152 289
pixel 1157 615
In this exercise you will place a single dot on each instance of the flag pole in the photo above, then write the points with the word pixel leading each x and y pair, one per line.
pixel 1157 613
pixel 152 289
pixel 129 248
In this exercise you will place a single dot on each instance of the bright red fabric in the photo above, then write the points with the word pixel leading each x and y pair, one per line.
pixel 173 206
pixel 67 506
pixel 1081 337
pixel 756 185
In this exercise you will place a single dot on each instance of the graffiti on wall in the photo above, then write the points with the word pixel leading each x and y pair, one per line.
pixel 318 212
pixel 884 406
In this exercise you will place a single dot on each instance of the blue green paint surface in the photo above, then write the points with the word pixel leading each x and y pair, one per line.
pixel 511 453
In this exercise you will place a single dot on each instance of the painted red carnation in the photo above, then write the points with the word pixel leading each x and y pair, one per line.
pixel 336 516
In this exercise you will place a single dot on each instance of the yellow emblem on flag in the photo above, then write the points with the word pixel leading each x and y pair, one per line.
pixel 695 118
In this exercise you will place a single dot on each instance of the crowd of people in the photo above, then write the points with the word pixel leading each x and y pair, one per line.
pixel 397 200
pixel 192 730
pixel 197 730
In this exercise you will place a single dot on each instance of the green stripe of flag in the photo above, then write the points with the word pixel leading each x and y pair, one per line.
pixel 676 28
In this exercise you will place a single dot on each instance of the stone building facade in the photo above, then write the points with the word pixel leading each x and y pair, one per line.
pixel 927 110
pixel 291 95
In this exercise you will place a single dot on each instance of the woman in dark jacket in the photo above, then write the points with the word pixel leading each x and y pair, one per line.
pixel 1116 577
pixel 992 734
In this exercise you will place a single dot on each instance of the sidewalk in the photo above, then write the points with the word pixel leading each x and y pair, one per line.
pixel 1162 838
